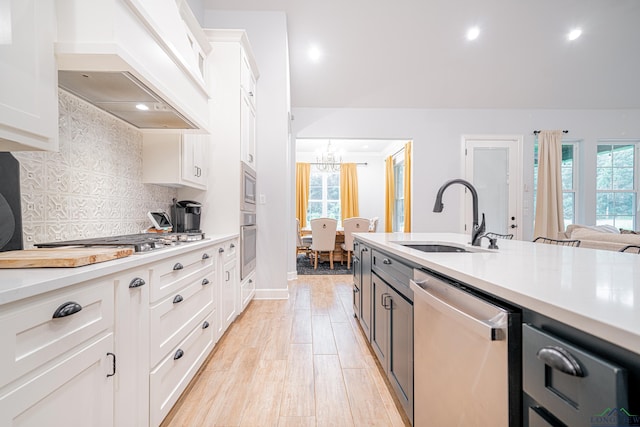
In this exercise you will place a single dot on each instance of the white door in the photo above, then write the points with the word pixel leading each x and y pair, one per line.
pixel 493 166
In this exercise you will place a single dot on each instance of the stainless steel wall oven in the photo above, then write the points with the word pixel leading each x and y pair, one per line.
pixel 248 235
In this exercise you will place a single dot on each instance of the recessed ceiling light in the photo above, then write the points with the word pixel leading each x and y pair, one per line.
pixel 473 33
pixel 574 34
pixel 315 53
pixel 142 107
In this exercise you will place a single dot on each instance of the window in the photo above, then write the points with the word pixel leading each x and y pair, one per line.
pixel 398 177
pixel 324 195
pixel 616 186
pixel 569 179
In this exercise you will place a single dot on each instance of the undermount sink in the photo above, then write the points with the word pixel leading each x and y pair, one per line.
pixel 439 247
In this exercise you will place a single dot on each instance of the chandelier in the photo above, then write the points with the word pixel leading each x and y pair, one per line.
pixel 328 161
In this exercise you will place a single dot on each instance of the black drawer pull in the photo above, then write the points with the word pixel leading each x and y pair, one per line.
pixel 560 359
pixel 67 309
pixel 178 354
pixel 178 266
pixel 205 256
pixel 365 249
pixel 220 250
pixel 386 261
pixel 137 282
pixel 114 365
pixel 205 282
pixel 205 325
pixel 355 290
pixel 232 246
pixel 178 298
pixel 250 280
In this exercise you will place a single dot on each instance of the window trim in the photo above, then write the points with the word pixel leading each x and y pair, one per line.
pixel 636 181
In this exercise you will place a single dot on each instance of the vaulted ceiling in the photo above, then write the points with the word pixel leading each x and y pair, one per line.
pixel 414 53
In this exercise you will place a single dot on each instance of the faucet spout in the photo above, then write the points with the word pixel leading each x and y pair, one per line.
pixel 478 229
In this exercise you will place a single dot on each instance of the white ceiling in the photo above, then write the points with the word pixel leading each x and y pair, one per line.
pixel 414 54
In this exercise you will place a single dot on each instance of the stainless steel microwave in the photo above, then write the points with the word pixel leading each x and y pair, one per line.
pixel 248 186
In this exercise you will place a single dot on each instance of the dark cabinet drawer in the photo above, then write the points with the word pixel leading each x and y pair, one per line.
pixel 573 385
pixel 393 271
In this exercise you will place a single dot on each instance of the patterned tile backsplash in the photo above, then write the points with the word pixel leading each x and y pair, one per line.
pixel 93 186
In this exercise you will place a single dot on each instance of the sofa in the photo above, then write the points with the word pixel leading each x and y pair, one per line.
pixel 600 237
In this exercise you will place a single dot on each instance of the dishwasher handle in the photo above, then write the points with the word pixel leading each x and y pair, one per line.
pixel 478 326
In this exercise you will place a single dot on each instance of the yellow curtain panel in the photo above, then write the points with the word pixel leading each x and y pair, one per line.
pixel 303 171
pixel 349 190
pixel 408 153
pixel 389 195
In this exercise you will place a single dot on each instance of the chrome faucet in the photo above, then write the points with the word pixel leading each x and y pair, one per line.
pixel 478 230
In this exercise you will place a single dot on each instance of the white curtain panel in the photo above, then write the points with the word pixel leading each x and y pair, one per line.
pixel 549 219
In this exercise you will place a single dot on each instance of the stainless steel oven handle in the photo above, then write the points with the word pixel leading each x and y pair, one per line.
pixel 478 326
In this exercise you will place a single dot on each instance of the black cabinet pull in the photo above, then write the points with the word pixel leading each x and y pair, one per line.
pixel 250 280
pixel 205 282
pixel 220 250
pixel 178 266
pixel 178 298
pixel 67 309
pixel 228 276
pixel 232 246
pixel 365 249
pixel 386 261
pixel 560 359
pixel 137 282
pixel 205 256
pixel 355 290
pixel 178 354
pixel 114 365
pixel 205 325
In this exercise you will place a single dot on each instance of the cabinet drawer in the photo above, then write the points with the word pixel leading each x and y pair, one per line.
pixel 572 399
pixel 391 269
pixel 247 291
pixel 229 250
pixel 31 337
pixel 170 275
pixel 173 317
pixel 173 374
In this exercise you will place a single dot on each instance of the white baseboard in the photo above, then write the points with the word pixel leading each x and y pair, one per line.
pixel 271 294
pixel 292 275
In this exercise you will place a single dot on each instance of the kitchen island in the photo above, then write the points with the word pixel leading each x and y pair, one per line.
pixel 581 299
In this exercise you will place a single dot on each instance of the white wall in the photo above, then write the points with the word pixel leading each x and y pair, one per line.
pixel 370 182
pixel 267 32
pixel 437 146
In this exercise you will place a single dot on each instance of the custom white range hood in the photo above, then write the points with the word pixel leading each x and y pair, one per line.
pixel 117 54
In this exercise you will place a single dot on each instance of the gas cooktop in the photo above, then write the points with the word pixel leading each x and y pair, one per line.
pixel 143 242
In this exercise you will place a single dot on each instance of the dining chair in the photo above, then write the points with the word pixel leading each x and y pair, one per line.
pixel 303 242
pixel 574 243
pixel 493 235
pixel 634 249
pixel 323 238
pixel 352 225
pixel 373 224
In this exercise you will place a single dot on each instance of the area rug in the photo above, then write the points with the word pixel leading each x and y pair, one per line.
pixel 305 267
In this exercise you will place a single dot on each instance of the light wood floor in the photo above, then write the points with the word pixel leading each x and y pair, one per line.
pixel 297 362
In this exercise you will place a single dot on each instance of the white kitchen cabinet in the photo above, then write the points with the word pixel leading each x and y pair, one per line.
pixel 248 132
pixel 56 347
pixel 175 159
pixel 183 312
pixel 229 284
pixel 28 76
pixel 132 347
pixel 233 118
pixel 247 290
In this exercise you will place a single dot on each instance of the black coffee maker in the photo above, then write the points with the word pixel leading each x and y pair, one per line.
pixel 186 216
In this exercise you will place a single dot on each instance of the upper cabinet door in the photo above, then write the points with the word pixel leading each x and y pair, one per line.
pixel 28 76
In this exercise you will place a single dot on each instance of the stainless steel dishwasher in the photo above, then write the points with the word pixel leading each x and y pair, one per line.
pixel 467 363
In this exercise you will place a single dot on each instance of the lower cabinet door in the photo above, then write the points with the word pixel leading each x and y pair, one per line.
pixel 401 350
pixel 172 375
pixel 72 391
pixel 380 319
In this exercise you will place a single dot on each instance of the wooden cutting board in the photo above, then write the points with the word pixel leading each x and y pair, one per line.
pixel 60 257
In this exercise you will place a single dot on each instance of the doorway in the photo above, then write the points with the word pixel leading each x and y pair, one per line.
pixel 493 164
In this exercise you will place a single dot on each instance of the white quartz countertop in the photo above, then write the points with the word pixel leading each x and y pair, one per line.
pixel 595 291
pixel 16 284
